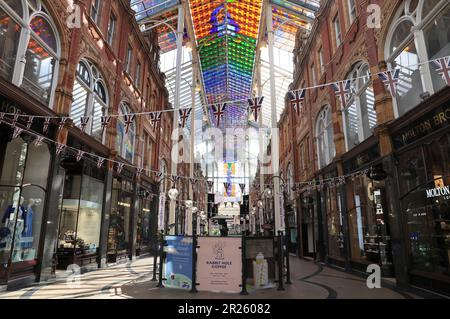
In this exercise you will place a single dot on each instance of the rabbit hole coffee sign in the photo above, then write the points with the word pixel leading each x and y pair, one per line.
pixel 219 264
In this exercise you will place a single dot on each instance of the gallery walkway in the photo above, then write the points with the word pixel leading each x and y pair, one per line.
pixel 133 280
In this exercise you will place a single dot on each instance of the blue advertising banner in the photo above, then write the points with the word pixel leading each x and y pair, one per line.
pixel 178 262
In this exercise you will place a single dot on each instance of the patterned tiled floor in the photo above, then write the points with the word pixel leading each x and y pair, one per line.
pixel 133 280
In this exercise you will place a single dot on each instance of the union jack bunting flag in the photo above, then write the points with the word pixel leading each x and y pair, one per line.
pixel 2 117
pixel 343 89
pixel 106 120
pixel 219 112
pixel 46 124
pixel 129 120
pixel 184 115
pixel 297 99
pixel 84 121
pixel 227 186
pixel 80 155
pixel 242 186
pixel 119 167
pixel 442 66
pixel 100 162
pixel 210 184
pixel 158 175
pixel 255 105
pixel 38 141
pixel 30 121
pixel 59 148
pixel 390 80
pixel 15 119
pixel 139 172
pixel 17 132
pixel 62 122
pixel 155 118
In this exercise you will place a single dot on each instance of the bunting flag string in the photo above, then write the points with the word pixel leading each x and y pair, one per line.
pixel 30 122
pixel 17 132
pixel 219 112
pixel 390 80
pixel 343 90
pixel 158 176
pixel 129 120
pixel 46 124
pixel 80 155
pixel 297 99
pixel 255 105
pixel 100 162
pixel 105 122
pixel 59 148
pixel 184 115
pixel 119 167
pixel 16 118
pixel 84 123
pixel 62 122
pixel 442 67
pixel 38 141
pixel 155 118
pixel 139 172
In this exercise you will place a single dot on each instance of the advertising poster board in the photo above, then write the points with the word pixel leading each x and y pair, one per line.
pixel 161 211
pixel 219 264
pixel 178 271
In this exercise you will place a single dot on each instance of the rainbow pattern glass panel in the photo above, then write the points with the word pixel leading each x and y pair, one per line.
pixel 227 33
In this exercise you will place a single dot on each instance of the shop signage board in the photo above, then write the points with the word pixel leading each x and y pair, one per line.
pixel 427 124
pixel 178 262
pixel 162 209
pixel 219 264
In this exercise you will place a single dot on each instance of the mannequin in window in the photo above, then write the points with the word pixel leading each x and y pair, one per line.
pixel 27 234
pixel 12 214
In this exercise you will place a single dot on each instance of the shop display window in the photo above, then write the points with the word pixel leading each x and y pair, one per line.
pixel 120 217
pixel 332 203
pixel 370 240
pixel 80 221
pixel 425 201
pixel 22 200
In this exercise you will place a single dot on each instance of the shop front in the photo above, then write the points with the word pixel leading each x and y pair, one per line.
pixel 423 180
pixel 366 210
pixel 24 180
pixel 120 239
pixel 146 230
pixel 308 225
pixel 81 212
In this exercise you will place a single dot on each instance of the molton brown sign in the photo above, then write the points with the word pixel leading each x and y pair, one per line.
pixel 431 122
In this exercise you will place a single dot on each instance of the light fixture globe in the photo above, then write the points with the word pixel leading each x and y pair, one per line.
pixel 194 210
pixel 173 193
pixel 188 203
pixel 260 204
pixel 268 192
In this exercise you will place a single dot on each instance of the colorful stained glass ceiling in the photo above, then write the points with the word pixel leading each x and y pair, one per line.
pixel 226 32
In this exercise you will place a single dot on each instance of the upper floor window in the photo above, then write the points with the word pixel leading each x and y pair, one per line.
pixel 128 59
pixel 90 99
pixel 419 32
pixel 325 137
pixel 125 141
pixel 30 50
pixel 111 29
pixel 337 30
pixel 359 114
pixel 137 80
pixel 96 11
pixel 352 10
pixel 322 64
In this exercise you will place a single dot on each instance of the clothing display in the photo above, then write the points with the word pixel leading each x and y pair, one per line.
pixel 27 234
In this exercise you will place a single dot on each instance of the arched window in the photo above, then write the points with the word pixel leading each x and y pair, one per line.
pixel 418 33
pixel 360 117
pixel 325 137
pixel 125 142
pixel 90 99
pixel 30 48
